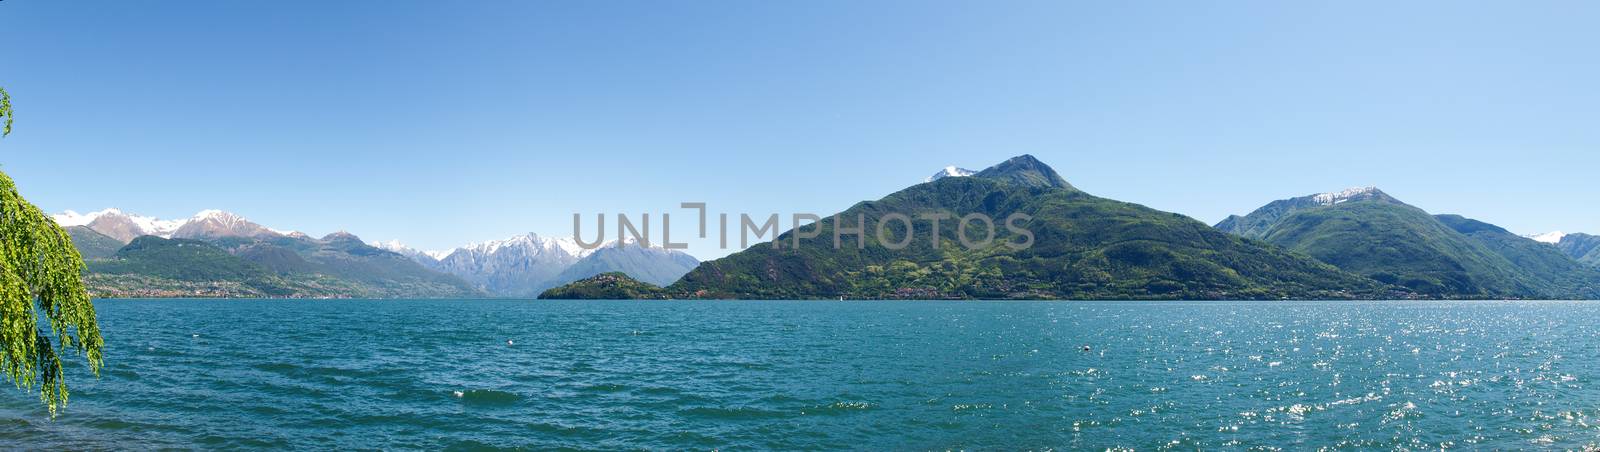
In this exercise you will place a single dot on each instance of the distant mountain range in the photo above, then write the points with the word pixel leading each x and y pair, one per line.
pixel 525 265
pixel 220 254
pixel 1356 243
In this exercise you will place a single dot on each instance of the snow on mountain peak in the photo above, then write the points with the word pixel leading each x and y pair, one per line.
pixel 950 171
pixel 1548 237
pixel 288 233
pixel 146 225
pixel 570 246
pixel 1328 199
pixel 227 218
pixel 392 245
pixel 71 218
pixel 396 246
pixel 538 245
pixel 530 241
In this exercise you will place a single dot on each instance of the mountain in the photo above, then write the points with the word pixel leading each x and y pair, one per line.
pixel 125 227
pixel 526 265
pixel 1367 232
pixel 521 266
pixel 212 224
pixel 428 259
pixel 1583 247
pixel 1084 247
pixel 605 286
pixel 376 272
pixel 649 265
pixel 254 260
pixel 1258 222
pixel 93 245
pixel 1540 268
pixel 153 266
pixel 339 265
pixel 118 225
pixel 950 171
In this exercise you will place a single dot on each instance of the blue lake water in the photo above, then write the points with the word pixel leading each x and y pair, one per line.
pixel 829 375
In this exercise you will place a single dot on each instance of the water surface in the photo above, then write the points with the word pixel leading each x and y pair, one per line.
pixel 831 375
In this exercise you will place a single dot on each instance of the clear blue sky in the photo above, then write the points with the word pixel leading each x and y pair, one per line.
pixel 440 123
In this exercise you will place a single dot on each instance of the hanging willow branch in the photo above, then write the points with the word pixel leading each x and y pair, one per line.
pixel 5 111
pixel 40 273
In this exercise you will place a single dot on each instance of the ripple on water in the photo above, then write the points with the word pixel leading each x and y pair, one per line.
pixel 487 397
pixel 793 375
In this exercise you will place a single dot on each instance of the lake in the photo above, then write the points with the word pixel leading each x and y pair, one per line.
pixel 614 375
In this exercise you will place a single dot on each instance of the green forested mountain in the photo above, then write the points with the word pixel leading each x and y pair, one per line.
pixel 268 266
pixel 153 266
pixel 93 245
pixel 1258 223
pixel 1084 247
pixel 1541 268
pixel 1583 247
pixel 344 256
pixel 1367 232
pixel 605 286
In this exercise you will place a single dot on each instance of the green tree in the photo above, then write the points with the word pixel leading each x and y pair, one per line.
pixel 40 274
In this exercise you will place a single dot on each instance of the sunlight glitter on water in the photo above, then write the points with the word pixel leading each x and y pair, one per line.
pixel 803 375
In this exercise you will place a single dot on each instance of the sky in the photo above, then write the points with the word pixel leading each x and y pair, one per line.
pixel 442 123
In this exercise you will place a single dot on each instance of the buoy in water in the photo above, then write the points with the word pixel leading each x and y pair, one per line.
pixel 509 343
pixel 1085 348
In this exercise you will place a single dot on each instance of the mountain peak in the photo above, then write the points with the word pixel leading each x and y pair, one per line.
pixel 527 244
pixel 1263 219
pixel 413 253
pixel 1025 170
pixel 1548 237
pixel 214 214
pixel 392 245
pixel 1350 194
pixel 950 171
pixel 216 223
pixel 118 224
pixel 341 235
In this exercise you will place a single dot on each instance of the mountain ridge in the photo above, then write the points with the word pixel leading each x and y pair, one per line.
pixel 1087 248
pixel 520 266
pixel 1370 233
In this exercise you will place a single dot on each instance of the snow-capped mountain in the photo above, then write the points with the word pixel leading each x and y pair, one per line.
pixel 529 241
pixel 426 258
pixel 209 224
pixel 527 264
pixel 1351 194
pixel 1548 237
pixel 950 171
pixel 522 265
pixel 123 226
pixel 1267 216
pixel 118 225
